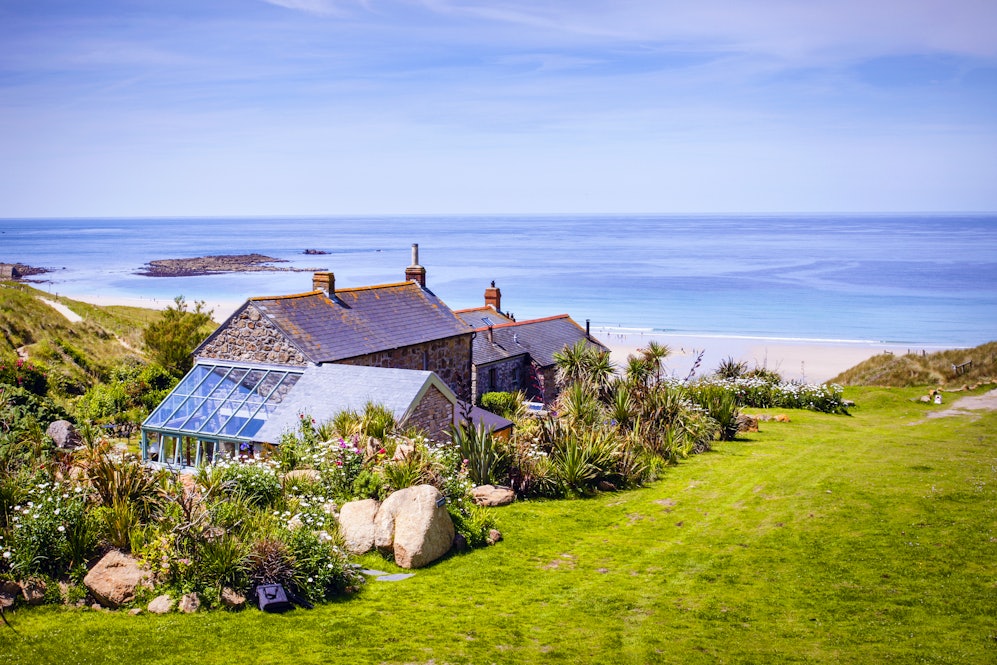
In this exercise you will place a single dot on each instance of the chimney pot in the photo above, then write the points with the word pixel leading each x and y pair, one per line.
pixel 324 281
pixel 415 272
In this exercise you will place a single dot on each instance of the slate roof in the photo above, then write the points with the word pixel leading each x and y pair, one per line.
pixel 358 321
pixel 323 391
pixel 540 338
pixel 475 316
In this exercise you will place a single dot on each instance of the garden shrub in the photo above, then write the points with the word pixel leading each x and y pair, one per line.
pixel 25 374
pixel 505 404
pixel 47 532
pixel 486 461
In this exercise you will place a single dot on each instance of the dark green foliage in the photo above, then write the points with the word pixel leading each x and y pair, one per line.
pixel 731 369
pixel 506 405
pixel 179 330
pixel 721 404
pixel 23 374
pixel 377 421
pixel 485 459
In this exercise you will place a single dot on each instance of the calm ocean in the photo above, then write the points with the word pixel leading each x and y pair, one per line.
pixel 917 279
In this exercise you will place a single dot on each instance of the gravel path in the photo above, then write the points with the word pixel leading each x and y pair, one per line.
pixel 965 406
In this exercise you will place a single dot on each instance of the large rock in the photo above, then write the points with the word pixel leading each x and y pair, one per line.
pixel 413 524
pixel 115 578
pixel 356 525
pixel 490 495
pixel 64 434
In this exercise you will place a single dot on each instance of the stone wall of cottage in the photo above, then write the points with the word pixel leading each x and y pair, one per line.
pixel 543 383
pixel 450 358
pixel 250 337
pixel 433 414
pixel 508 375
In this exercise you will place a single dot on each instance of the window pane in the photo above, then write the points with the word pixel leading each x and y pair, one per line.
pixel 185 411
pixel 216 378
pixel 164 410
pixel 201 415
pixel 194 377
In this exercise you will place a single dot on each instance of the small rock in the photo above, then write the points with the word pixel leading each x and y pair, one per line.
pixel 605 486
pixel 747 423
pixel 782 418
pixel 190 603
pixel 490 495
pixel 135 611
pixel 33 591
pixel 494 536
pixel 459 542
pixel 306 475
pixel 161 604
pixel 402 451
pixel 232 599
pixel 9 591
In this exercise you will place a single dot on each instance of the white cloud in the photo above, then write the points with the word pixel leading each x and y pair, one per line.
pixel 819 29
pixel 320 7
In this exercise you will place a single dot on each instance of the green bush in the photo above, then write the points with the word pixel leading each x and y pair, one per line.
pixel 43 536
pixel 24 374
pixel 505 404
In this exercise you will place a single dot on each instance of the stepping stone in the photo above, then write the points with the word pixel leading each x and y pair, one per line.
pixel 373 573
pixel 397 577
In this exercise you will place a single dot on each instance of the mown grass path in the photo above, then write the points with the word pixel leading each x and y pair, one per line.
pixel 869 538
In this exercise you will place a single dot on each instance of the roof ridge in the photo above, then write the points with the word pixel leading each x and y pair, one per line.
pixel 376 286
pixel 523 323
pixel 286 297
pixel 475 309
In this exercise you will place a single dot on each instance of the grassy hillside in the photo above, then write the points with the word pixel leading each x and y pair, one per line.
pixel 74 353
pixel 933 369
pixel 868 538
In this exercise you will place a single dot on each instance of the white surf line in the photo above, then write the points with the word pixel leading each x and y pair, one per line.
pixel 62 309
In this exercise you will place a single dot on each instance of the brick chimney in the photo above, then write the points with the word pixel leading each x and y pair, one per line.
pixel 324 281
pixel 415 272
pixel 493 297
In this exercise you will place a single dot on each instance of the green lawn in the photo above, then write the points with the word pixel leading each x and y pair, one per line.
pixel 862 539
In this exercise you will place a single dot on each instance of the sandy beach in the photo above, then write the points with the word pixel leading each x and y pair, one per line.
pixel 814 361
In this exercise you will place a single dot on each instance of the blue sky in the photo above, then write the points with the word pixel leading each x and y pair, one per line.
pixel 301 107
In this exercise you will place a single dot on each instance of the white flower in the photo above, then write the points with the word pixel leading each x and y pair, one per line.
pixel 310 579
pixel 61 528
pixel 6 554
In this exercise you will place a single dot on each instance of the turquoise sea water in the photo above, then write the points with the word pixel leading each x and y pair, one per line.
pixel 920 279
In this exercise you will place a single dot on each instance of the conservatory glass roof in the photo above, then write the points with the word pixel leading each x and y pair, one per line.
pixel 223 401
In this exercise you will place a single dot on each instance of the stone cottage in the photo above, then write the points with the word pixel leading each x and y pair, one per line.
pixel 318 352
pixel 401 325
pixel 510 355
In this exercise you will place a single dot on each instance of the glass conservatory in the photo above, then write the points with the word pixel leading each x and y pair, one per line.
pixel 215 411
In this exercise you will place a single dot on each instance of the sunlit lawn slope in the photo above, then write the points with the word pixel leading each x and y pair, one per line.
pixel 856 539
